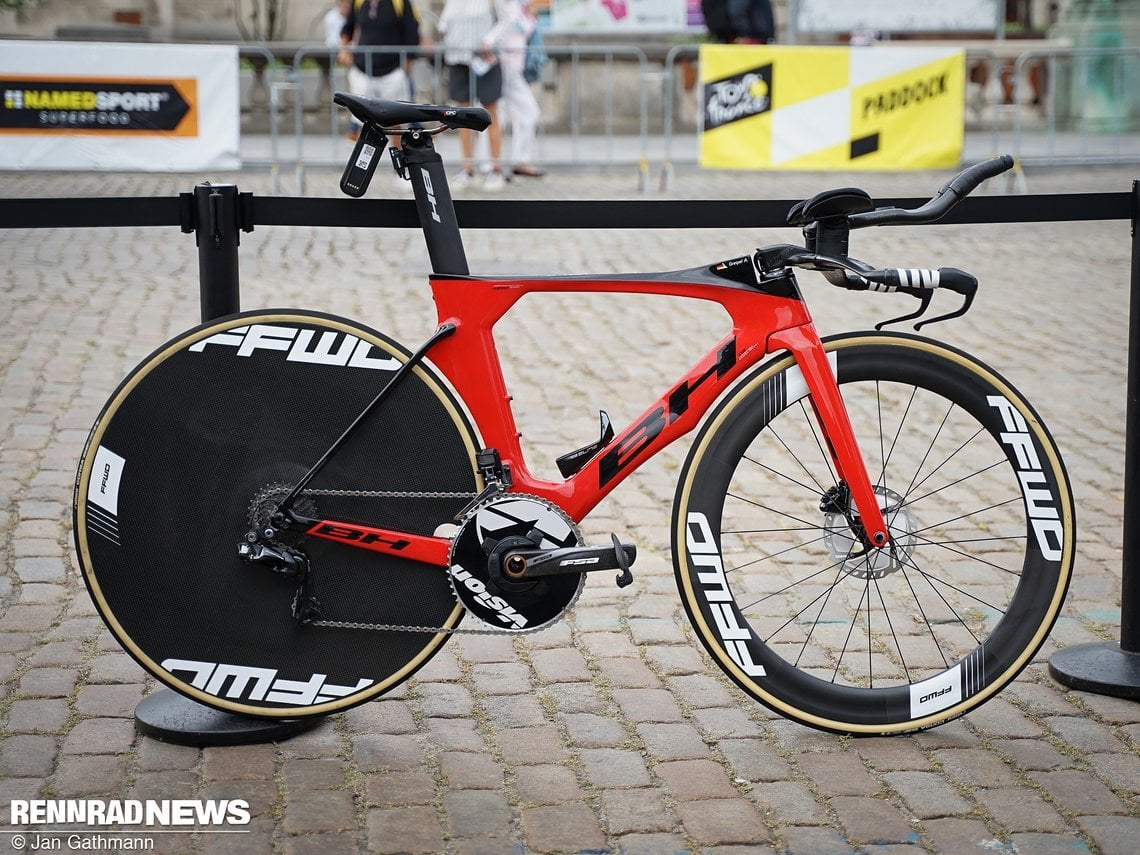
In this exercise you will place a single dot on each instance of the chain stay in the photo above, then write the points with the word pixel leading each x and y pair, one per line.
pixel 390 627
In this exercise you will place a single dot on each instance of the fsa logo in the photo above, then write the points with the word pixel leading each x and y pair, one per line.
pixel 331 348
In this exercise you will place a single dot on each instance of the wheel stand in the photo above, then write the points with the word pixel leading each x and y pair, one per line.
pixel 170 717
pixel 1109 668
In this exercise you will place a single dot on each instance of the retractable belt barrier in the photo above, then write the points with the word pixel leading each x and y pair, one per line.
pixel 217 214
pixel 500 214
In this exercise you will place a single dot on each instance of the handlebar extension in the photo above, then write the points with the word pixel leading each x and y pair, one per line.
pixel 949 195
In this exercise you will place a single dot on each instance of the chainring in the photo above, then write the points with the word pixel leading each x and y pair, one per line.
pixel 510 521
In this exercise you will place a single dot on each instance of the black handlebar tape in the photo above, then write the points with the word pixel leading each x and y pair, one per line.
pixel 958 281
pixel 967 181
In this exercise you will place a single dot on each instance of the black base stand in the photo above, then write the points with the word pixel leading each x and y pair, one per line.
pixel 1108 668
pixel 170 717
pixel 1103 669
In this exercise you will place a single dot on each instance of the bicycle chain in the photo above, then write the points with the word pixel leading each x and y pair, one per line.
pixel 390 627
pixel 486 629
pixel 391 494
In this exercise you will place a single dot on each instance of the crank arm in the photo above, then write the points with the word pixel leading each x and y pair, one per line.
pixel 521 564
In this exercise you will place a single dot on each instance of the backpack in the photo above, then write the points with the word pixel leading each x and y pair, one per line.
pixel 536 57
pixel 717 20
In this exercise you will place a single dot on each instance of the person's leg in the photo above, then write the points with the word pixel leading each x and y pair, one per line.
pixel 490 90
pixel 357 85
pixel 458 88
pixel 524 113
pixel 393 86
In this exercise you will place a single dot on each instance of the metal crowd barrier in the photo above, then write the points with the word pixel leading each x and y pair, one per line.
pixel 580 111
pixel 580 100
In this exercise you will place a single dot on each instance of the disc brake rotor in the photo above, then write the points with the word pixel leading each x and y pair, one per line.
pixel 862 562
pixel 495 527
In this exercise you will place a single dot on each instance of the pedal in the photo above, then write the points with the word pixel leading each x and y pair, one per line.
pixel 519 565
pixel 572 462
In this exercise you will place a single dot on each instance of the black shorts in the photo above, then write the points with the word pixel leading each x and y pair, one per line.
pixel 488 87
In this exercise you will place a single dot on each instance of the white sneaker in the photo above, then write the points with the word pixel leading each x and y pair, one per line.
pixel 494 182
pixel 463 180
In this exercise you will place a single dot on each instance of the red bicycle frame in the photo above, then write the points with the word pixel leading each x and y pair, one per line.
pixel 764 320
pixel 762 323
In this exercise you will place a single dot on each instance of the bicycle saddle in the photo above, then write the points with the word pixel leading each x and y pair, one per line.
pixel 389 114
pixel 830 203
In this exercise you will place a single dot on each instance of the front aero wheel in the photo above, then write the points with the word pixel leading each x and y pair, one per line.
pixel 200 444
pixel 777 581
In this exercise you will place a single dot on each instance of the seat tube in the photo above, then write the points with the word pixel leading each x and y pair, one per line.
pixel 805 346
pixel 433 203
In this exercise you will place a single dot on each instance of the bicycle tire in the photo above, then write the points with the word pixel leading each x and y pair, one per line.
pixel 982 525
pixel 199 433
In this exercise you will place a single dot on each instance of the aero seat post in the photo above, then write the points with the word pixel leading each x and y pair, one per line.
pixel 433 202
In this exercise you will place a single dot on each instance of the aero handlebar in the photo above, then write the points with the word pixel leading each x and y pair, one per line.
pixel 949 195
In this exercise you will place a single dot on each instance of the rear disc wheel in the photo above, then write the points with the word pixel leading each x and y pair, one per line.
pixel 194 446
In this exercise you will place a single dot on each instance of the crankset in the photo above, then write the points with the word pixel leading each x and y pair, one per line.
pixel 518 562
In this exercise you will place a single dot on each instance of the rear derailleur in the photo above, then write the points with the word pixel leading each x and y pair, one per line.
pixel 289 562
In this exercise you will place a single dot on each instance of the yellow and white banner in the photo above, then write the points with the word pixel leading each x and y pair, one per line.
pixel 118 107
pixel 816 108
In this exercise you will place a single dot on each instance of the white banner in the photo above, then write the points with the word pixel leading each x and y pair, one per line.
pixel 619 16
pixel 150 108
pixel 843 16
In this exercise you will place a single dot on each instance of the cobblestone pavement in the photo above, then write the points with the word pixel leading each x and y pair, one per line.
pixel 611 731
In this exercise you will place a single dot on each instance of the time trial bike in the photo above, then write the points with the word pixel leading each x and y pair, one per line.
pixel 284 513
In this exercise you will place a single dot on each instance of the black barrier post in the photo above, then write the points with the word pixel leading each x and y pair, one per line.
pixel 215 213
pixel 1107 668
pixel 218 215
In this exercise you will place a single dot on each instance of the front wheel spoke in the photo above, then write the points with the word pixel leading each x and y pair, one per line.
pixel 963 554
pixel 763 558
pixel 930 580
pixel 817 488
pixel 850 631
pixel 806 523
pixel 890 630
pixel 898 432
pixel 796 615
pixel 922 611
pixel 911 500
pixel 967 515
pixel 810 420
pixel 789 587
pixel 796 457
pixel 934 440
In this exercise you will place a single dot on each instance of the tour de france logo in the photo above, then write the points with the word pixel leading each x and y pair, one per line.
pixel 740 96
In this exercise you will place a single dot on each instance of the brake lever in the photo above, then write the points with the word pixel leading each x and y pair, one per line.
pixel 960 282
pixel 924 296
pixel 965 307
